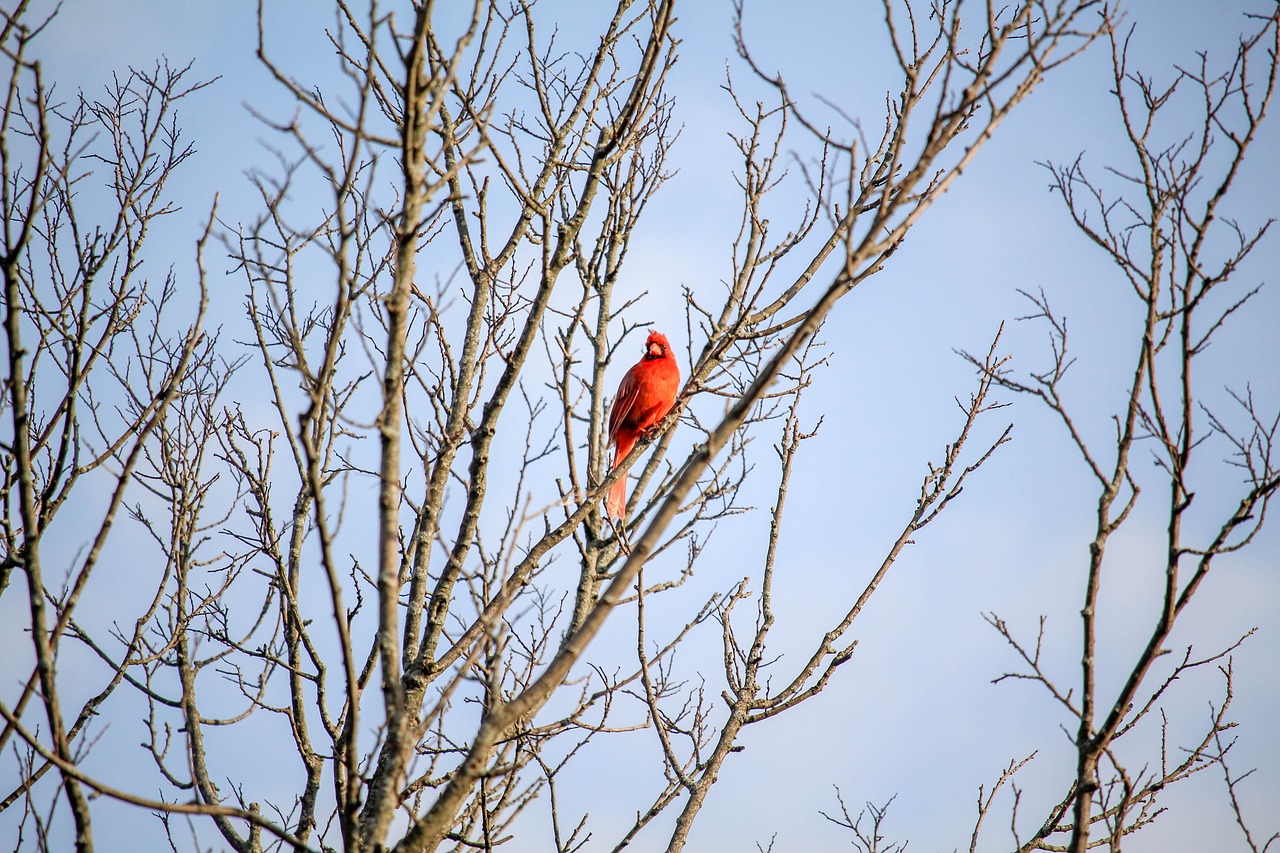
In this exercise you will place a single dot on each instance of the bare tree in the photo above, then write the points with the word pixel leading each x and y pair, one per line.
pixel 97 370
pixel 1166 224
pixel 368 522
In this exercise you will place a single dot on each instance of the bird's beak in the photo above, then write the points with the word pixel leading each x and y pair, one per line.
pixel 655 350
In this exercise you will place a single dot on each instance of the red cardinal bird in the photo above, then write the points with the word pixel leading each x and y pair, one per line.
pixel 646 394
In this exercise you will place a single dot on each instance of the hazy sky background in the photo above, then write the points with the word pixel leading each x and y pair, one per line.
pixel 914 714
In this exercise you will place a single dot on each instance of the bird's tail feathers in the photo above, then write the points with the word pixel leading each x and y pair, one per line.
pixel 615 503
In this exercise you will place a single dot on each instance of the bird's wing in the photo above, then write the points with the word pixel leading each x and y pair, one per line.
pixel 628 391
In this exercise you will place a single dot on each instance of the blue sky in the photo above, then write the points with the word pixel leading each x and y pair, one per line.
pixel 914 713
